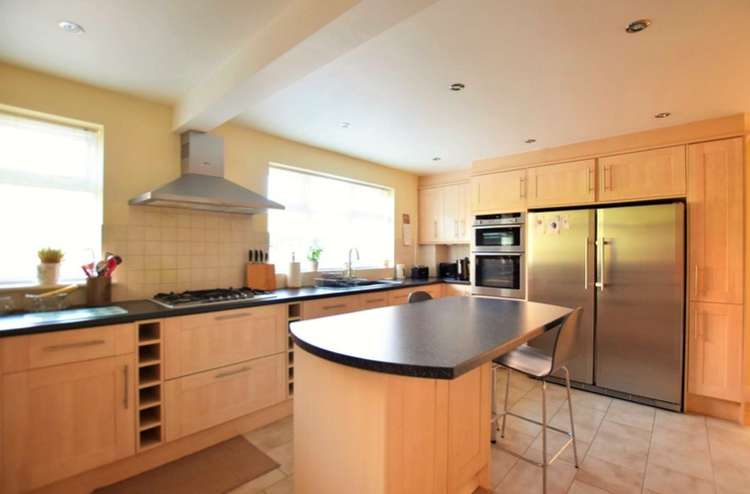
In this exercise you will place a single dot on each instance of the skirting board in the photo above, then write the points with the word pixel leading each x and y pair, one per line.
pixel 114 472
pixel 712 407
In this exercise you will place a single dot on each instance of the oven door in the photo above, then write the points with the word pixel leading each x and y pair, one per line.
pixel 506 238
pixel 501 274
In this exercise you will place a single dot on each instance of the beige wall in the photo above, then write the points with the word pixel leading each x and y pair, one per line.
pixel 160 247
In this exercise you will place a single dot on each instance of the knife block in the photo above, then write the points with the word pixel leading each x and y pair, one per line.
pixel 260 276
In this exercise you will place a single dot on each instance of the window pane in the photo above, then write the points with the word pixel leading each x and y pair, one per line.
pixel 334 214
pixel 50 193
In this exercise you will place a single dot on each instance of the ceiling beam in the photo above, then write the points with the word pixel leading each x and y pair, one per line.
pixel 305 36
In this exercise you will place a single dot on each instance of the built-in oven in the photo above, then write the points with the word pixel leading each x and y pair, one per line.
pixel 499 232
pixel 499 274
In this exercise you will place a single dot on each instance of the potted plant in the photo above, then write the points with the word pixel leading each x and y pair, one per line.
pixel 48 271
pixel 313 255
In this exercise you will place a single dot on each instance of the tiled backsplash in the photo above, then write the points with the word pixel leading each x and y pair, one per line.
pixel 175 249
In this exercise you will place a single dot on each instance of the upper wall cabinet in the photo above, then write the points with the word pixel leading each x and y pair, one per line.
pixel 644 175
pixel 499 192
pixel 715 202
pixel 563 184
pixel 444 215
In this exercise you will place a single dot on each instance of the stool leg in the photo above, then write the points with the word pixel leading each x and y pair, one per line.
pixel 493 423
pixel 505 403
pixel 544 437
pixel 570 411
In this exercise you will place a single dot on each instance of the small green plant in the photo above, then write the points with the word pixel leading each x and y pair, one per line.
pixel 313 255
pixel 50 256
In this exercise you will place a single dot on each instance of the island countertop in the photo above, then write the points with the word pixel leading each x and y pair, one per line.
pixel 439 339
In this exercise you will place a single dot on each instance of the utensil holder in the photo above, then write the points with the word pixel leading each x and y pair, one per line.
pixel 260 276
pixel 98 291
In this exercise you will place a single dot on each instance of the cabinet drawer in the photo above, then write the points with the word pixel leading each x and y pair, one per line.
pixel 330 306
pixel 207 341
pixel 62 347
pixel 398 297
pixel 373 300
pixel 203 400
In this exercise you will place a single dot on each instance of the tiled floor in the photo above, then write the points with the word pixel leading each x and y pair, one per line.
pixel 623 448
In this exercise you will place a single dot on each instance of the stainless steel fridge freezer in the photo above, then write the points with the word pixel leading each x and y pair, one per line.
pixel 633 295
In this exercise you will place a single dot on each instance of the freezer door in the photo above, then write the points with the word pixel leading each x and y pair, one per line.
pixel 640 300
pixel 561 271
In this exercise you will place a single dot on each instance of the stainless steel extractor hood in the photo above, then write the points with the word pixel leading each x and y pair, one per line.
pixel 202 184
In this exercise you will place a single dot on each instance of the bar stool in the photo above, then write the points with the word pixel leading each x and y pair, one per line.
pixel 538 365
pixel 419 296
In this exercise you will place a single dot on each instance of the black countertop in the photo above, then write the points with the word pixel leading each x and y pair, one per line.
pixel 439 339
pixel 138 310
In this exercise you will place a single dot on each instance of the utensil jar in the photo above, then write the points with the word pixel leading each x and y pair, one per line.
pixel 98 291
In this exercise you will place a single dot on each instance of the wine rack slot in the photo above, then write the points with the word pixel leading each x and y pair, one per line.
pixel 294 313
pixel 150 382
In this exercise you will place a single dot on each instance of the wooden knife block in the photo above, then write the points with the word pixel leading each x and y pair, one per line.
pixel 260 276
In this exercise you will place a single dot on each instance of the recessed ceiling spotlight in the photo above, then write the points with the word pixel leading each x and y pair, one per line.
pixel 71 27
pixel 345 125
pixel 662 115
pixel 457 86
pixel 638 26
pixel 436 158
pixel 530 141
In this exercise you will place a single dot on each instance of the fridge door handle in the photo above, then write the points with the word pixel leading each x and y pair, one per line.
pixel 602 265
pixel 586 265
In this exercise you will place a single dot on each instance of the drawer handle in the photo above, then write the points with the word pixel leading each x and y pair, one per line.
pixel 231 373
pixel 337 306
pixel 126 376
pixel 375 300
pixel 55 348
pixel 232 316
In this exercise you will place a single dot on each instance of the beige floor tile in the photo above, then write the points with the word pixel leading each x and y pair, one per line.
pixel 591 400
pixel 694 462
pixel 500 464
pixel 532 408
pixel 520 425
pixel 730 455
pixel 696 439
pixel 555 440
pixel 609 476
pixel 622 445
pixel 725 425
pixel 579 487
pixel 272 435
pixel 631 414
pixel 666 481
pixel 554 392
pixel 525 478
pixel 682 422
pixel 587 421
pixel 284 455
pixel 286 486
pixel 256 486
pixel 514 440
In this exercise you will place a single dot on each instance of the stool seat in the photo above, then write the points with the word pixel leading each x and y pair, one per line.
pixel 527 360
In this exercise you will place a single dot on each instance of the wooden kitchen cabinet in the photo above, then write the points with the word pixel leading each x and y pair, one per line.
pixel 499 192
pixel 562 184
pixel 643 175
pixel 200 401
pixel 715 202
pixel 431 209
pixel 401 296
pixel 715 350
pixel 62 420
pixel 206 341
pixel 456 290
pixel 330 306
pixel 445 215
pixel 373 300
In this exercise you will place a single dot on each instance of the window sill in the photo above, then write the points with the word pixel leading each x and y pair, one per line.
pixel 36 287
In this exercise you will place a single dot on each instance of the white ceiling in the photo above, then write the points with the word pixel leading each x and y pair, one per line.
pixel 560 71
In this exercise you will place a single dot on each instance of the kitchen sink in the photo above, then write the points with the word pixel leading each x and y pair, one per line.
pixel 341 282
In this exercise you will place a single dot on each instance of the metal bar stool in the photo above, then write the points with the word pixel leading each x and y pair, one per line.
pixel 419 296
pixel 538 365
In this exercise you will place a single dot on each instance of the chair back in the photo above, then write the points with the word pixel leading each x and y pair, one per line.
pixel 565 340
pixel 419 296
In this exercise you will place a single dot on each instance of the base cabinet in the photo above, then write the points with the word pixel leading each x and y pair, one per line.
pixel 197 402
pixel 62 420
pixel 715 351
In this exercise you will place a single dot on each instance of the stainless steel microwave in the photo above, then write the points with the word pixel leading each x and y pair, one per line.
pixel 499 233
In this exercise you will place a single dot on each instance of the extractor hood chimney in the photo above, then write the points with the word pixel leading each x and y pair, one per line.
pixel 202 185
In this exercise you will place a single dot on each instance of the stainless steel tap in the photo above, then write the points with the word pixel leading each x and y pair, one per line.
pixel 349 270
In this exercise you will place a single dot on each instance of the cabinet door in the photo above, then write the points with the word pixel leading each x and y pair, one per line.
pixel 207 341
pixel 451 213
pixel 465 218
pixel 715 202
pixel 715 350
pixel 197 402
pixel 643 175
pixel 566 183
pixel 430 215
pixel 330 306
pixel 373 300
pixel 499 192
pixel 63 420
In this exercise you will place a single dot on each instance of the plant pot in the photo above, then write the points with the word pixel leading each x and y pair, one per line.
pixel 314 266
pixel 48 273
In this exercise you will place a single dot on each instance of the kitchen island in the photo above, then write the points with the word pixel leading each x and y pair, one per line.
pixel 397 399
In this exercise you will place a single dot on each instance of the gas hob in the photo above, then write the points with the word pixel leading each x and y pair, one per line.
pixel 194 298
